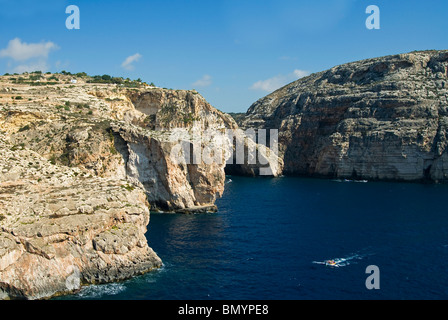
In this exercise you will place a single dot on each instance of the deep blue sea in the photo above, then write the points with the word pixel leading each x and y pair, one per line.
pixel 271 235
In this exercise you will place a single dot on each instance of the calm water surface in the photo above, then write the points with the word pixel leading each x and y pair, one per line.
pixel 271 234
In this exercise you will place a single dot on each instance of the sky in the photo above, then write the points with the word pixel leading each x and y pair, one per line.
pixel 232 52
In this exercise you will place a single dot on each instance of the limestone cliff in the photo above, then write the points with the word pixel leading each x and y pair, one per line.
pixel 61 228
pixel 383 118
pixel 80 165
pixel 112 131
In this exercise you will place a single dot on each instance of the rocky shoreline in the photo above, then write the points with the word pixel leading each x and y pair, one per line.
pixel 83 163
pixel 60 232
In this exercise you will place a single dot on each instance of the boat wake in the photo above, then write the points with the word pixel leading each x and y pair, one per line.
pixel 348 180
pixel 342 262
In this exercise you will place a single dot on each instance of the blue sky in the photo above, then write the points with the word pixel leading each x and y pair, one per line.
pixel 232 52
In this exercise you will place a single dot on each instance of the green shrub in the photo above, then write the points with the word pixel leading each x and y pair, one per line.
pixel 65 159
pixel 52 159
pixel 128 187
pixel 24 128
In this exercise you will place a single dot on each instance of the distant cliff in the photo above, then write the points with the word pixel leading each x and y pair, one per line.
pixel 381 119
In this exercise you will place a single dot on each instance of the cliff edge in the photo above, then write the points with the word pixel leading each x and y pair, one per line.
pixel 379 119
pixel 82 163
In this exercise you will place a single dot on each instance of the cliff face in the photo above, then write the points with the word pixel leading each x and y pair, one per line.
pixel 82 163
pixel 100 130
pixel 383 118
pixel 188 118
pixel 111 131
pixel 61 228
pixel 79 164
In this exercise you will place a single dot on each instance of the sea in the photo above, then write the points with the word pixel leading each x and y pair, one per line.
pixel 272 239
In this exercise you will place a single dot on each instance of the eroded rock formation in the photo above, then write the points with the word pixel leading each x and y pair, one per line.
pixel 383 118
pixel 61 228
pixel 80 166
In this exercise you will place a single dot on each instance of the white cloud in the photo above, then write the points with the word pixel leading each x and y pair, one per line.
pixel 22 51
pixel 205 81
pixel 127 64
pixel 274 83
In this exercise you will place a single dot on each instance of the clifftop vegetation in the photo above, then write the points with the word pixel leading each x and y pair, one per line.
pixel 37 78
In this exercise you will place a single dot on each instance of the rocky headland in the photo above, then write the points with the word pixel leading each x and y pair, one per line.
pixel 81 165
pixel 378 119
pixel 84 159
